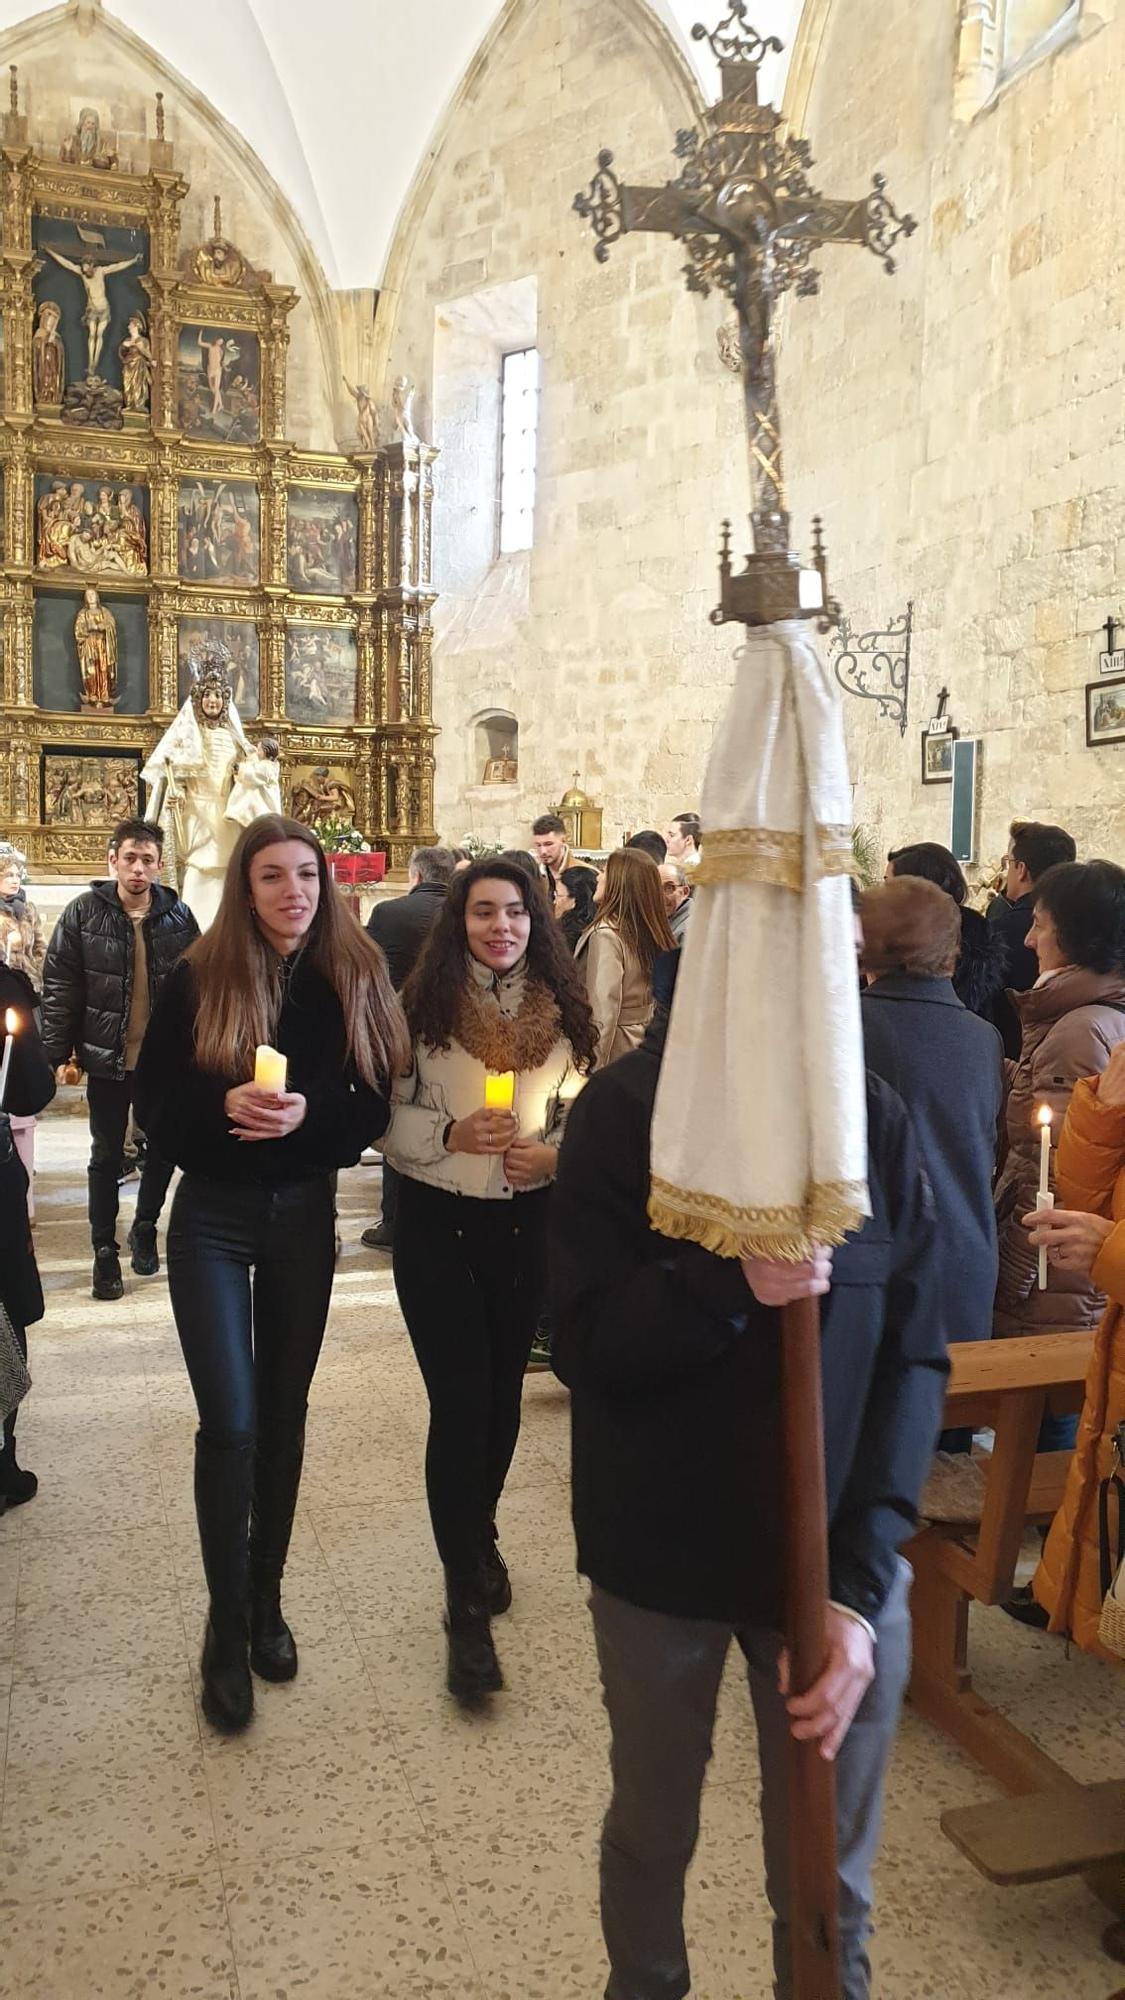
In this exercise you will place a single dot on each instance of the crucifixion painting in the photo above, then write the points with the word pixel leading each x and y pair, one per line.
pixel 93 276
pixel 750 220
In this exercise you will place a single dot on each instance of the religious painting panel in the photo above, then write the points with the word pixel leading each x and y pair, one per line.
pixel 240 638
pixel 937 756
pixel 323 536
pixel 91 354
pixel 1105 713
pixel 91 527
pixel 320 674
pixel 220 537
pixel 320 792
pixel 219 383
pixel 78 787
pixel 90 653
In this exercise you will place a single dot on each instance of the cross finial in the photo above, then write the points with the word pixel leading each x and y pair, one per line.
pixel 218 228
pixel 160 114
pixel 14 87
pixel 734 41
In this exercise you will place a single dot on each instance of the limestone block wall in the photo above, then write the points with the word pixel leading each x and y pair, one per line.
pixel 962 425
pixel 598 641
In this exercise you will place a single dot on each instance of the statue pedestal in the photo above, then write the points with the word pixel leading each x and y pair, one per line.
pixel 135 420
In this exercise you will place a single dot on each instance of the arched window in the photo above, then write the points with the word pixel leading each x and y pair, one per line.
pixel 999 39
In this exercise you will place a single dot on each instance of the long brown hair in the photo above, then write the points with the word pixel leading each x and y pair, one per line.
pixel 633 903
pixel 238 975
pixel 432 993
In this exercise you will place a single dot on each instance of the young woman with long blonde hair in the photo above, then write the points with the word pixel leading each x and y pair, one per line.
pixel 251 1236
pixel 618 952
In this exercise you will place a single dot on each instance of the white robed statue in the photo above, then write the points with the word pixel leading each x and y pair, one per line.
pixel 204 786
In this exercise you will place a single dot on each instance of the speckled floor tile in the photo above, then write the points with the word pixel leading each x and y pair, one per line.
pixel 75 1831
pixel 109 1722
pixel 167 1941
pixel 318 1792
pixel 338 1924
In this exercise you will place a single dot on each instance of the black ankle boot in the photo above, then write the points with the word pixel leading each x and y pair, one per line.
pixel 277 1479
pixel 227 1697
pixel 107 1273
pixel 16 1483
pixel 142 1247
pixel 473 1670
pixel 224 1479
pixel 495 1582
pixel 273 1649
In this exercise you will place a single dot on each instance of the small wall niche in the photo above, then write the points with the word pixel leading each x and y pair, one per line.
pixel 495 755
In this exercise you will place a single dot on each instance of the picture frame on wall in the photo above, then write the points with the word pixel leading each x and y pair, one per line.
pixel 1105 713
pixel 937 756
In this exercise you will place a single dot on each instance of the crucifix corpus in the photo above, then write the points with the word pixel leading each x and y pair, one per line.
pixel 759 1141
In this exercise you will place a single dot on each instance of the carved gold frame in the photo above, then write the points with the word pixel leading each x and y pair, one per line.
pixel 388 750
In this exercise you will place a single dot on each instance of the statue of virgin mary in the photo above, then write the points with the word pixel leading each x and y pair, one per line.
pixel 196 791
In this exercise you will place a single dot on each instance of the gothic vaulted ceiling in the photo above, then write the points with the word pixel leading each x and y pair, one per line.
pixel 342 101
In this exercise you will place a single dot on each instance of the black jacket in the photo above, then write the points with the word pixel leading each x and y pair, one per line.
pixel 1012 921
pixel 29 1089
pixel 181 1107
pixel 675 1374
pixel 402 924
pixel 981 978
pixel 88 975
pixel 948 1068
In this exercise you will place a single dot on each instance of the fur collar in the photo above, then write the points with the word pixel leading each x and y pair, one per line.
pixel 503 1040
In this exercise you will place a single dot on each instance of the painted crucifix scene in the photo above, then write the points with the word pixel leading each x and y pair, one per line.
pixel 91 527
pixel 219 531
pixel 320 674
pixel 219 384
pixel 90 306
pixel 196 641
pixel 322 538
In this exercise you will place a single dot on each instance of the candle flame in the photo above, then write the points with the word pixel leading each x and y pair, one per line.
pixel 11 1021
pixel 1045 1115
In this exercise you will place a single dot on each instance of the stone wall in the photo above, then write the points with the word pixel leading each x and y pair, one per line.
pixel 961 424
pixel 598 641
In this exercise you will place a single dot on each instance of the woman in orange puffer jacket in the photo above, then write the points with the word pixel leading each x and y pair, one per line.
pixel 1088 1234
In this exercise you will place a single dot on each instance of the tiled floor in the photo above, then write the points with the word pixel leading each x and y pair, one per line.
pixel 364 1839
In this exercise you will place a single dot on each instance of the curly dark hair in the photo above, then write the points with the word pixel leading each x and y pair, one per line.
pixel 1085 901
pixel 432 991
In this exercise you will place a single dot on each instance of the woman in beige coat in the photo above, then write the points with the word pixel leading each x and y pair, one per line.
pixel 617 954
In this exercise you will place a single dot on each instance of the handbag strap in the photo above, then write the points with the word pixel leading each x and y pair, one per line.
pixel 1111 1560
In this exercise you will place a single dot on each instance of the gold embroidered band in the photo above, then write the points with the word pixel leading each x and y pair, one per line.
pixel 759 854
pixel 831 1209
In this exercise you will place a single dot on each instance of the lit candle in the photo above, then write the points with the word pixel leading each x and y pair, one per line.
pixel 270 1068
pixel 500 1090
pixel 11 1025
pixel 1045 1199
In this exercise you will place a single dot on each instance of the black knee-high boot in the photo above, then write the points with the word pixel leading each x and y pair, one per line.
pixel 224 1482
pixel 277 1478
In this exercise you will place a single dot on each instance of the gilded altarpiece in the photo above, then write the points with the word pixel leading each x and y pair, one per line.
pixel 151 499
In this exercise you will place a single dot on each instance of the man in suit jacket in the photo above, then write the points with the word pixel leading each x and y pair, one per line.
pixel 400 926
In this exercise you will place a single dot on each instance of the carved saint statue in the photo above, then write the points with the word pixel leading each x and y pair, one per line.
pixel 95 635
pixel 84 148
pixel 136 364
pixel 365 415
pixel 402 409
pixel 205 783
pixel 219 263
pixel 48 358
pixel 95 319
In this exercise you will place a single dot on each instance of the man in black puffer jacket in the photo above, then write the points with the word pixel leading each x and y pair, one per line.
pixel 112 950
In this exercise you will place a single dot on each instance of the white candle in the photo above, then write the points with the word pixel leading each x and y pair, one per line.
pixel 11 1025
pixel 500 1090
pixel 1046 1199
pixel 270 1068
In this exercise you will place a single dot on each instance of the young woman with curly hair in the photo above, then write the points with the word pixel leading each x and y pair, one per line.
pixel 495 992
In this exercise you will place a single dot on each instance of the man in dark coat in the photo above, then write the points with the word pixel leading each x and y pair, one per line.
pixel 401 926
pixel 28 1091
pixel 111 952
pixel 673 1358
pixel 1032 849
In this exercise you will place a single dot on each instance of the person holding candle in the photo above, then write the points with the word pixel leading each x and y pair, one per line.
pixel 618 952
pixel 23 945
pixel 27 1085
pixel 503 1037
pixel 1072 1020
pixel 111 952
pixel 266 1067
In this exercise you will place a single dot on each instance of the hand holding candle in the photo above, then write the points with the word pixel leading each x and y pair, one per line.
pixel 1046 1199
pixel 11 1029
pixel 270 1068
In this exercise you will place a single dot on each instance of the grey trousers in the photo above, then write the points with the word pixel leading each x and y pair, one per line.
pixel 660 1677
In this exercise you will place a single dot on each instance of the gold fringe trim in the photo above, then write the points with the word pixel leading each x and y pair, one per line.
pixel 831 1210
pixel 760 854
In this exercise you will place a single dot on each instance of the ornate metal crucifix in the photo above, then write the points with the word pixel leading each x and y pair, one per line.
pixel 750 221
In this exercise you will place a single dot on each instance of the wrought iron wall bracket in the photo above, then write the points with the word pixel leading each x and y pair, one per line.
pixel 875 666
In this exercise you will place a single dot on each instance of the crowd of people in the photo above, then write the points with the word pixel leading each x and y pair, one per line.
pixel 498 1033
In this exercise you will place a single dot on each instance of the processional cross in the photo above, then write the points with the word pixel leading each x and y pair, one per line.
pixel 750 220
